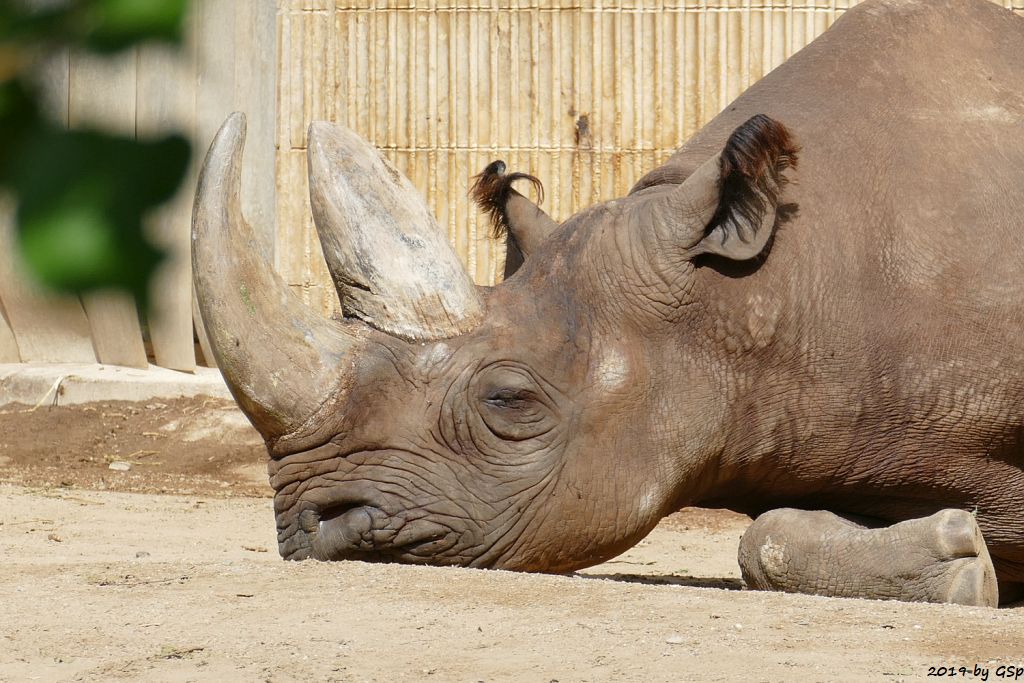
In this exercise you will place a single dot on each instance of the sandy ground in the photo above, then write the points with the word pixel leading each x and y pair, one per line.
pixel 116 575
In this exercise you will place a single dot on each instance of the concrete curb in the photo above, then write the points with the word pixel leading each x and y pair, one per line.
pixel 74 383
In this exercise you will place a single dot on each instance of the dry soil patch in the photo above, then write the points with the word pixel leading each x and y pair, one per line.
pixel 103 579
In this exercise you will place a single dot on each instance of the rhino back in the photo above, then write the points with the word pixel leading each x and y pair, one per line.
pixel 910 115
pixel 909 210
pixel 895 292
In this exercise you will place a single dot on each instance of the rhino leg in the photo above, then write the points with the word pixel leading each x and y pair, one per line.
pixel 941 558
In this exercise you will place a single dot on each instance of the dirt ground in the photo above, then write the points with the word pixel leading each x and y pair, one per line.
pixel 165 569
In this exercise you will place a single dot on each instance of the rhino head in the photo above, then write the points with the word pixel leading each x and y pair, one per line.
pixel 544 424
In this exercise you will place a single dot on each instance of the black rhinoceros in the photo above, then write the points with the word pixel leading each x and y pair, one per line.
pixel 839 346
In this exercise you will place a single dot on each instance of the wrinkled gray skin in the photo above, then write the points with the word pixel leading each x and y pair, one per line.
pixel 868 360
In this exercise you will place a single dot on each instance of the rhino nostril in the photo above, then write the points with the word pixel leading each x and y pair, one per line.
pixel 341 530
pixel 336 511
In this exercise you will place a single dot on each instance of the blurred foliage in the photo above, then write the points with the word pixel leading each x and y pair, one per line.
pixel 82 195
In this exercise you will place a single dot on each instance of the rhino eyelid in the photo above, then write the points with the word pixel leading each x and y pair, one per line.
pixel 509 397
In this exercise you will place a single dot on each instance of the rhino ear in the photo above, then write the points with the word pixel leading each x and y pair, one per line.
pixel 730 201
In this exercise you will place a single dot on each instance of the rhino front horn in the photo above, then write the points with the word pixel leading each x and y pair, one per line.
pixel 282 362
pixel 391 263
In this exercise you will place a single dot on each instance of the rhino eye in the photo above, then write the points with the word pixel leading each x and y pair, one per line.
pixel 512 406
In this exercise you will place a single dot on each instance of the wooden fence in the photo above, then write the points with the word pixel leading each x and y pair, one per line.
pixel 228 63
pixel 588 96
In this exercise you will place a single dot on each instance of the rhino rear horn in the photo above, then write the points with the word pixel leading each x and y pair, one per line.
pixel 282 362
pixel 390 261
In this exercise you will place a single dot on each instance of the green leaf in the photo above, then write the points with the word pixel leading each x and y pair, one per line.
pixel 98 25
pixel 19 116
pixel 83 196
pixel 73 245
pixel 116 24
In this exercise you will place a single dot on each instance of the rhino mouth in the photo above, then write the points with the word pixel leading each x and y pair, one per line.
pixel 367 533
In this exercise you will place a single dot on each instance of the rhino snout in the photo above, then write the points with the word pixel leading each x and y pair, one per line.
pixel 365 532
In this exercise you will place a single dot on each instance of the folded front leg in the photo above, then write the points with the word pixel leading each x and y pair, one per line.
pixel 941 558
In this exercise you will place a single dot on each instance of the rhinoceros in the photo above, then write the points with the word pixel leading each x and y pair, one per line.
pixel 812 313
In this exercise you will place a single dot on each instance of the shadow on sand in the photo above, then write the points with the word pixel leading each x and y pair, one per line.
pixel 731 584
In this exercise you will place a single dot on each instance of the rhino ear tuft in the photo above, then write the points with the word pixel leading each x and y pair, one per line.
pixel 521 222
pixel 750 179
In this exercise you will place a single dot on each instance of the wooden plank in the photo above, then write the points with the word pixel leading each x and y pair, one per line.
pixel 46 328
pixel 102 94
pixel 8 344
pixel 215 35
pixel 293 65
pixel 116 333
pixel 161 109
pixel 204 339
pixel 255 92
pixel 55 74
pixel 215 68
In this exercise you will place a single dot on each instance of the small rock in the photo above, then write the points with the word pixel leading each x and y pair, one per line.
pixel 738 627
pixel 142 553
pixel 675 639
pixel 120 466
pixel 55 538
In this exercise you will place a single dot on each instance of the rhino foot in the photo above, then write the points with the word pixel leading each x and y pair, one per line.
pixel 941 558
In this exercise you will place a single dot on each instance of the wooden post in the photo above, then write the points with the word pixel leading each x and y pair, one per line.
pixel 162 108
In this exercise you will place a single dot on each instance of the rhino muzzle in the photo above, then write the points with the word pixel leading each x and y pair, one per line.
pixel 364 532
